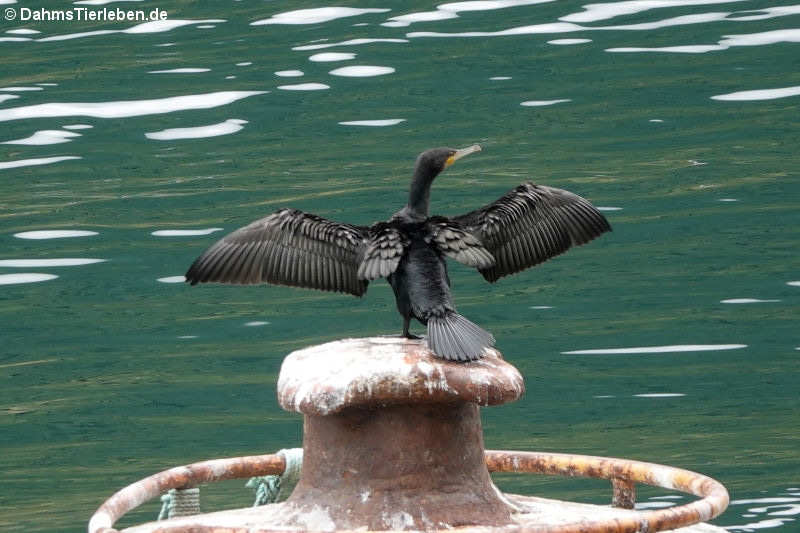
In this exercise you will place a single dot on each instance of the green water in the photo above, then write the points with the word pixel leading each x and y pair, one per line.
pixel 108 375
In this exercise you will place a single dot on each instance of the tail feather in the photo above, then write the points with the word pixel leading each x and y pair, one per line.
pixel 455 338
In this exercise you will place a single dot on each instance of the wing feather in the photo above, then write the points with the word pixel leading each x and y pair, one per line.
pixel 288 247
pixel 385 246
pixel 458 243
pixel 531 224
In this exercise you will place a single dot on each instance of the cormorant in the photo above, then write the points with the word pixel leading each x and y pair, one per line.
pixel 528 225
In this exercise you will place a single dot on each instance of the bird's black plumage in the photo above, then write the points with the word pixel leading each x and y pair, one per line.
pixel 528 225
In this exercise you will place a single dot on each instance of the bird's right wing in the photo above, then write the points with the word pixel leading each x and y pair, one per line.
pixel 530 224
pixel 288 247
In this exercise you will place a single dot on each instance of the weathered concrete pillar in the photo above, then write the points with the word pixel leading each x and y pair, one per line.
pixel 393 436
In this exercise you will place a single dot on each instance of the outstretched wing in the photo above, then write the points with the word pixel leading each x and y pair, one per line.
pixel 457 243
pixel 288 247
pixel 530 224
pixel 383 249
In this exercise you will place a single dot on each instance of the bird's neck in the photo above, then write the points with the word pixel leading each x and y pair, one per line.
pixel 419 195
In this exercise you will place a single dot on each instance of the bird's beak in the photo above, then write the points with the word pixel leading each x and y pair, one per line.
pixel 461 153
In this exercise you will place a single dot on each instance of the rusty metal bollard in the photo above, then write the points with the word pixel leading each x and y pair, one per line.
pixel 393 436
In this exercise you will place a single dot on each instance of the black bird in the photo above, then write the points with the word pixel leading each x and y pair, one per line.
pixel 528 225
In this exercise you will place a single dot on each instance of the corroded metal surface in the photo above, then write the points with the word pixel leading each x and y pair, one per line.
pixel 624 493
pixel 393 441
pixel 328 378
pixel 714 497
pixel 180 477
pixel 398 467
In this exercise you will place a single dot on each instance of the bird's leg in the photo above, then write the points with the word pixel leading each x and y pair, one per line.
pixel 406 324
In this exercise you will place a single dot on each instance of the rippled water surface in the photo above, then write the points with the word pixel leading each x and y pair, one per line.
pixel 126 148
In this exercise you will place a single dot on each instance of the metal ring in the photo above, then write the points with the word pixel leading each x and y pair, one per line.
pixel 714 497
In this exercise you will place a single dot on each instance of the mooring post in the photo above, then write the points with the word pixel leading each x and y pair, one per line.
pixel 392 435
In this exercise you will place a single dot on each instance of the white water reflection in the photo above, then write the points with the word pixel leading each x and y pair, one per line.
pixel 609 10
pixel 126 108
pixel 540 103
pixel 377 123
pixel 567 27
pixel 256 323
pixel 750 39
pixel 4 97
pixel 793 283
pixel 767 13
pixel 351 42
pixel 187 70
pixel 488 5
pixel 21 89
pixel 759 94
pixel 28 277
pixel 213 130
pixel 36 161
pixel 304 87
pixel 54 234
pixel 746 301
pixel 23 31
pixel 451 10
pixel 184 232
pixel 569 41
pixel 361 71
pixel 762 38
pixel 500 78
pixel 652 505
pixel 315 15
pixel 552 27
pixel 699 18
pixel 775 507
pixel 38 263
pixel 659 349
pixel 331 56
pixel 685 49
pixel 289 73
pixel 401 21
pixel 659 395
pixel 77 126
pixel 155 26
pixel 172 279
pixel 45 137
pixel 609 208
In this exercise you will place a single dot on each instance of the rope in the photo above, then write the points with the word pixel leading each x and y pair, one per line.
pixel 271 489
pixel 180 502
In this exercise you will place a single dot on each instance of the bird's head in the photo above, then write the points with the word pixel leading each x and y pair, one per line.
pixel 431 162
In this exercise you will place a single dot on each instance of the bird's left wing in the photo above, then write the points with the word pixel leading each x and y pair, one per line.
pixel 530 224
pixel 384 246
pixel 288 247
